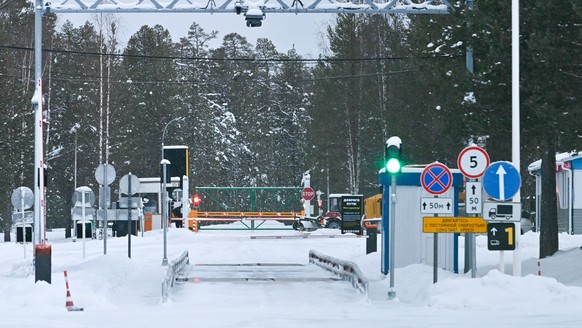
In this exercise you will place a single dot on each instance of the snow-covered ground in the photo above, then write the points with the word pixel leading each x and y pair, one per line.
pixel 116 291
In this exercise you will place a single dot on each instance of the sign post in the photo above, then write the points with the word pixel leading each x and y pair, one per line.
pixel 22 199
pixel 105 175
pixel 307 194
pixel 129 185
pixel 436 179
pixel 472 161
pixel 501 182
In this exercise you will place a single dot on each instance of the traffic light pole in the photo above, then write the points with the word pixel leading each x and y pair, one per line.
pixel 391 291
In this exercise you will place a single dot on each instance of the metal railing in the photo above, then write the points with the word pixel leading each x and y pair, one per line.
pixel 345 269
pixel 172 270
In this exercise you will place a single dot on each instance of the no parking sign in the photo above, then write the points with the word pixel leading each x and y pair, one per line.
pixel 436 178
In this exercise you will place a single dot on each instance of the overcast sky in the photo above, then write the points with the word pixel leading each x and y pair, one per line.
pixel 302 31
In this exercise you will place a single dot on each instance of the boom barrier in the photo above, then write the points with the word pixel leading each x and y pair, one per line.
pixel 249 220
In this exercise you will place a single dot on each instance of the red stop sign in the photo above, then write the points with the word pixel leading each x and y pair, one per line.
pixel 307 193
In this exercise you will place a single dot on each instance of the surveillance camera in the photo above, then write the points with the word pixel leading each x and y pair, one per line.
pixel 254 22
pixel 254 17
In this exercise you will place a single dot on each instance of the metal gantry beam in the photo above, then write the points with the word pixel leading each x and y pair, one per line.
pixel 242 6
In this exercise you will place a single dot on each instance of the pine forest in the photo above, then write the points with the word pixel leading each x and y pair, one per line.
pixel 254 116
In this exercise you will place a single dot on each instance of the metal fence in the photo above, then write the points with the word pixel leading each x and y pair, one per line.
pixel 345 269
pixel 172 270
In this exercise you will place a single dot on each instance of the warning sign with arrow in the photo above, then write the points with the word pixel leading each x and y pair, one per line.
pixel 429 205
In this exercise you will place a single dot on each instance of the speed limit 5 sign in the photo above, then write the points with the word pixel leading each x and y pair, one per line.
pixel 473 161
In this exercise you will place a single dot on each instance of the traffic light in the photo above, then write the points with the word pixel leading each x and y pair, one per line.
pixel 392 156
pixel 196 201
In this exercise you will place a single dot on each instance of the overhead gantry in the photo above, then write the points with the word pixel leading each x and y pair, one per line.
pixel 253 11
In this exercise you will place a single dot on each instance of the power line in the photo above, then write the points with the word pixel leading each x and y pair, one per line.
pixel 95 79
pixel 210 59
pixel 6 4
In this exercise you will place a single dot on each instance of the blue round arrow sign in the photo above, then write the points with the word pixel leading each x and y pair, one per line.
pixel 501 181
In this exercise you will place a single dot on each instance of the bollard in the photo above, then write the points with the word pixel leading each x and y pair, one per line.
pixel 371 245
pixel 42 263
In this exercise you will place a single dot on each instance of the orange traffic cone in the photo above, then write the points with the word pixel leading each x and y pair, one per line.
pixel 69 304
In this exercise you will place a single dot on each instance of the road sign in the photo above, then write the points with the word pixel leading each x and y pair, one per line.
pixel 453 224
pixel 105 174
pixel 473 161
pixel 501 211
pixel 124 184
pixel 501 236
pixel 81 194
pixel 501 181
pixel 307 193
pixel 22 218
pixel 436 178
pixel 473 198
pixel 22 197
pixel 433 205
pixel 130 202
pixel 77 213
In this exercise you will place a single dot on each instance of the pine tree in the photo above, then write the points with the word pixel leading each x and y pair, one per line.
pixel 210 129
pixel 72 151
pixel 150 101
pixel 551 83
pixel 17 86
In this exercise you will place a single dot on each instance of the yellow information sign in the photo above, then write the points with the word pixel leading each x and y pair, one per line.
pixel 453 224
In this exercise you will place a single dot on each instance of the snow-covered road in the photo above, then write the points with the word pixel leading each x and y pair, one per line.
pixel 116 291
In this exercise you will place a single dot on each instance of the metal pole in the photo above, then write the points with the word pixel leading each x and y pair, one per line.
pixel 22 224
pixel 469 49
pixel 39 199
pixel 468 249
pixel 165 200
pixel 392 265
pixel 515 126
pixel 435 256
pixel 105 207
pixel 472 246
pixel 129 215
pixel 435 259
pixel 473 256
pixel 252 208
pixel 83 219
pixel 164 162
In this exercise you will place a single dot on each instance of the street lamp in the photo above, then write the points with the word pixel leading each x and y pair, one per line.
pixel 164 192
pixel 177 119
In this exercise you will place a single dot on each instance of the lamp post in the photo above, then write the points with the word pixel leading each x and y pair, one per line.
pixel 164 164
pixel 166 128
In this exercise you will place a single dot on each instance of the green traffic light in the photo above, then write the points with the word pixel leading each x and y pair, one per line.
pixel 393 165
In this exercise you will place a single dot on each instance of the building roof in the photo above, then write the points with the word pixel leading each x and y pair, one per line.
pixel 561 158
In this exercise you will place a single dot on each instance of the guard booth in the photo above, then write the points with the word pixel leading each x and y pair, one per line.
pixel 568 188
pixel 178 169
pixel 412 246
